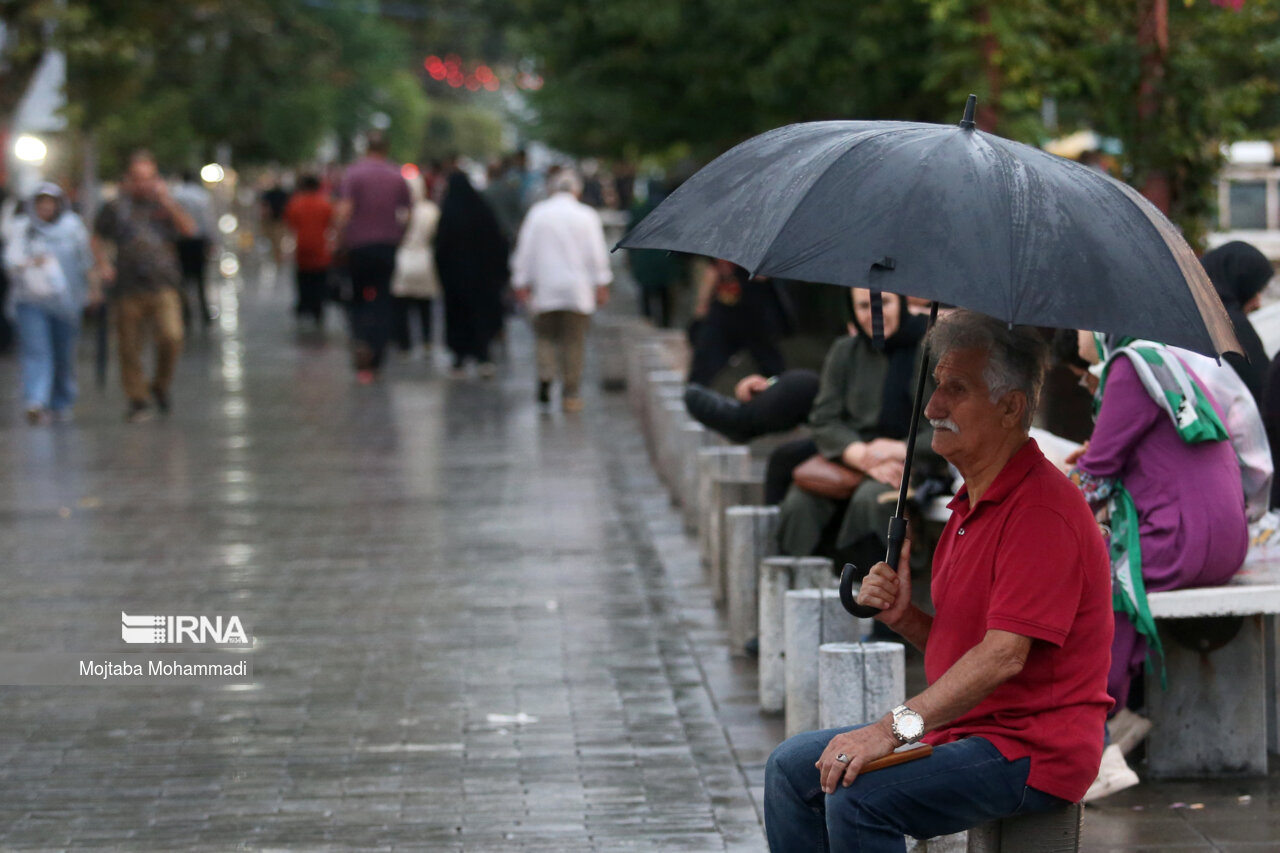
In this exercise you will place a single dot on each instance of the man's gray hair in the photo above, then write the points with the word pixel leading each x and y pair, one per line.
pixel 1016 355
pixel 566 181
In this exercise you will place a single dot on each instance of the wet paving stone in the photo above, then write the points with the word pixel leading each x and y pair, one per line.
pixel 478 627
pixel 465 639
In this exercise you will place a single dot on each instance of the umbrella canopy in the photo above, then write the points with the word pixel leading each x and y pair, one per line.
pixel 948 213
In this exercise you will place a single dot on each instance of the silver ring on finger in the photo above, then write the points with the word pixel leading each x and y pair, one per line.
pixel 842 758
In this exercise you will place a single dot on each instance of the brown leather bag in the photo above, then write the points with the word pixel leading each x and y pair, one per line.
pixel 819 476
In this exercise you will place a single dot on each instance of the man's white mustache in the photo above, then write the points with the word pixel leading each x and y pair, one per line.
pixel 943 423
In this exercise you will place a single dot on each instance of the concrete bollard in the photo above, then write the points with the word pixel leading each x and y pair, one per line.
pixel 859 682
pixel 610 334
pixel 778 576
pixel 811 617
pixel 725 492
pixel 750 535
pixel 670 434
pixel 643 358
pixel 694 436
pixel 716 462
pixel 659 392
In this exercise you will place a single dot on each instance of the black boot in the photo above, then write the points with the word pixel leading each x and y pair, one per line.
pixel 718 412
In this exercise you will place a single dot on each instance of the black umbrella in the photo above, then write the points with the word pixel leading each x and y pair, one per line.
pixel 951 214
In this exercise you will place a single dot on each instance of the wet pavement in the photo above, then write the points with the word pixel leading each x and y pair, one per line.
pixel 478 626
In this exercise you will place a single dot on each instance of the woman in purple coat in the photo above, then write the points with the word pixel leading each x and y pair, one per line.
pixel 1161 459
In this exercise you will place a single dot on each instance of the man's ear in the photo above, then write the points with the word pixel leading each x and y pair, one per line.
pixel 1013 406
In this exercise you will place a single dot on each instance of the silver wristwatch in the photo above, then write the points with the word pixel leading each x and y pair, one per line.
pixel 908 726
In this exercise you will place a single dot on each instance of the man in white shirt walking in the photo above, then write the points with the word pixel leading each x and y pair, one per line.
pixel 561 271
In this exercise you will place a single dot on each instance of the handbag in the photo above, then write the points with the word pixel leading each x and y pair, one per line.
pixel 43 278
pixel 819 476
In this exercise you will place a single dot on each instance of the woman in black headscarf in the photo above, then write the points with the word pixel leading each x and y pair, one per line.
pixel 1239 272
pixel 471 256
pixel 860 419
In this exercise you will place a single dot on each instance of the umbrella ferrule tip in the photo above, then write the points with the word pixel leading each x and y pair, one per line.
pixel 970 107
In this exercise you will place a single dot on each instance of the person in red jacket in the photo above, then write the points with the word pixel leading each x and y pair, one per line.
pixel 310 215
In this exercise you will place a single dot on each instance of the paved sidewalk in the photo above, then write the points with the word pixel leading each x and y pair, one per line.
pixel 466 638
pixel 479 627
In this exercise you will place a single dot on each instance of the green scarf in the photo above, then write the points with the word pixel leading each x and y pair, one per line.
pixel 1169 384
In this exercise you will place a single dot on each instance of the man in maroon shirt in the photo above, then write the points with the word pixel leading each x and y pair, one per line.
pixel 371 215
pixel 1017 655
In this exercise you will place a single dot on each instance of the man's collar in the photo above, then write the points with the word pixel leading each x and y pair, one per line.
pixel 1005 482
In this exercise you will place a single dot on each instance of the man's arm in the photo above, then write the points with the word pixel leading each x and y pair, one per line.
pixel 341 216
pixel 102 265
pixel 997 658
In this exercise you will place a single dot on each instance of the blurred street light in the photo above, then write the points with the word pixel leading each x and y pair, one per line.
pixel 30 149
pixel 212 173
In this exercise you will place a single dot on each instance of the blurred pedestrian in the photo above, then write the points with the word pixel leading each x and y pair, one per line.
pixel 471 256
pixel 372 210
pixel 271 213
pixel 48 257
pixel 504 196
pixel 416 283
pixel 562 273
pixel 309 214
pixel 655 271
pixel 193 251
pixel 143 224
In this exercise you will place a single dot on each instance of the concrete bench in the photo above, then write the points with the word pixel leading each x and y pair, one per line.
pixel 1219 715
pixel 750 535
pixel 811 617
pixel 778 576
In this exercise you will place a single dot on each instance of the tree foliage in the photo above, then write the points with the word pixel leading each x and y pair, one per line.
pixel 700 75
pixel 268 78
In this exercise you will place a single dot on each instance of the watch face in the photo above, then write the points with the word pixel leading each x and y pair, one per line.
pixel 910 725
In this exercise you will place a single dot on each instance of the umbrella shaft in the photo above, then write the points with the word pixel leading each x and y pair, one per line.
pixel 898 524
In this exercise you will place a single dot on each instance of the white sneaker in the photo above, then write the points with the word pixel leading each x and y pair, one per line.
pixel 1128 729
pixel 1114 775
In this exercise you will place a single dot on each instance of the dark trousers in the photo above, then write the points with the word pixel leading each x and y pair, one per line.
pixel 193 256
pixel 723 333
pixel 311 293
pixel 371 312
pixel 784 460
pixel 655 305
pixel 404 307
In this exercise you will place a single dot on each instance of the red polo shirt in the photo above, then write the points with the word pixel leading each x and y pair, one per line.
pixel 1029 559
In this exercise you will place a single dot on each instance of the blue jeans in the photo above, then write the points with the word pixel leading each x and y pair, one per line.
pixel 961 785
pixel 47 349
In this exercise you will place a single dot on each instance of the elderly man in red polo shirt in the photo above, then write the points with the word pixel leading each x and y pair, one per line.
pixel 1016 655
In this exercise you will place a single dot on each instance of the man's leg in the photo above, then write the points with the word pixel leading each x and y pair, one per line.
pixel 573 341
pixel 167 316
pixel 130 316
pixel 545 329
pixel 793 798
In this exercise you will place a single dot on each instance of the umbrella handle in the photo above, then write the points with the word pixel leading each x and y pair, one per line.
pixel 897 535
